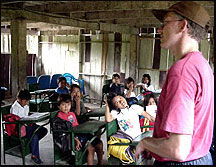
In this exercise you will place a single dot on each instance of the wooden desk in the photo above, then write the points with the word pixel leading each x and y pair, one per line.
pixel 35 120
pixel 33 104
pixel 92 126
pixel 40 92
pixel 98 112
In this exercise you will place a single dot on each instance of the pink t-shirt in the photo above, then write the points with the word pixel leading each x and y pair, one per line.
pixel 71 117
pixel 186 104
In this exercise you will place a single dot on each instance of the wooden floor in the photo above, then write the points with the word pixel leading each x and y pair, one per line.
pixel 46 146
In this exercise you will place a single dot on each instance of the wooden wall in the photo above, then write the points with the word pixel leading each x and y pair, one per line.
pixel 62 54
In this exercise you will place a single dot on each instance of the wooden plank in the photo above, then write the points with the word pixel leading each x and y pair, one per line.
pixel 205 48
pixel 162 77
pixel 171 59
pixel 104 54
pixel 86 6
pixel 87 49
pixel 146 53
pixel 63 20
pixel 133 56
pixel 157 53
pixel 18 55
pixel 124 52
pixel 48 18
pixel 164 57
pixel 139 13
pixel 110 56
pixel 116 14
pixel 117 52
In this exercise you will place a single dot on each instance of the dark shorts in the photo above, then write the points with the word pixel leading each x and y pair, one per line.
pixel 83 138
pixel 206 160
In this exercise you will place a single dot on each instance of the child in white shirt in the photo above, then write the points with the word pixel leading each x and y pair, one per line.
pixel 127 117
pixel 21 109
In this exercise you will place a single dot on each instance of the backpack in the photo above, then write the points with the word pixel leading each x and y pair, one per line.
pixel 131 100
pixel 62 140
pixel 12 129
pixel 125 153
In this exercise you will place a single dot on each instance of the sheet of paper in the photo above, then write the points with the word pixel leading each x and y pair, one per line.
pixel 35 115
pixel 152 110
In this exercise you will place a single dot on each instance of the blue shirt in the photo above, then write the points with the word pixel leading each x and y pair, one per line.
pixel 62 91
pixel 114 88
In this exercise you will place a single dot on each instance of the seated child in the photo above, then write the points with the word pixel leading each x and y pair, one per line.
pixel 21 109
pixel 62 89
pixel 127 117
pixel 129 93
pixel 145 85
pixel 150 100
pixel 128 122
pixel 64 103
pixel 115 85
pixel 78 106
pixel 129 88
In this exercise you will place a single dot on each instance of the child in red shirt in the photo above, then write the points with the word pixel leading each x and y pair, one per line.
pixel 64 103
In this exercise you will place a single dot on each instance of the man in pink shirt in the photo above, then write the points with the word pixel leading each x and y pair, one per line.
pixel 183 128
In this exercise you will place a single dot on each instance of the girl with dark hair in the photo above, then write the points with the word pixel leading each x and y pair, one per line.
pixel 127 117
pixel 150 106
pixel 145 85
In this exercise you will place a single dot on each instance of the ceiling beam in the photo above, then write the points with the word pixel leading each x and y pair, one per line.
pixel 87 6
pixel 141 22
pixel 106 15
pixel 61 20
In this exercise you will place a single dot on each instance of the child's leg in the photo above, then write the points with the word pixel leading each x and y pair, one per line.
pixel 90 157
pixel 99 151
pixel 34 143
pixel 41 132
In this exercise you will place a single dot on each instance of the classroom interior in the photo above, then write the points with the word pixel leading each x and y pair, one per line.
pixel 91 40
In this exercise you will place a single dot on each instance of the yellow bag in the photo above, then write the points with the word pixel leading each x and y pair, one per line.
pixel 122 152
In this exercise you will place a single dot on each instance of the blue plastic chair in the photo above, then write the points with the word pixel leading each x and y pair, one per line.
pixel 53 82
pixel 44 81
pixel 31 79
pixel 71 78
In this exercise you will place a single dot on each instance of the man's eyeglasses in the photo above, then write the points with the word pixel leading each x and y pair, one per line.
pixel 165 22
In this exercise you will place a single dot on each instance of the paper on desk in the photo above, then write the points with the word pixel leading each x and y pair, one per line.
pixel 152 109
pixel 35 115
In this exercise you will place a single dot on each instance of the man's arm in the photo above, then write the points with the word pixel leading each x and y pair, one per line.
pixel 176 147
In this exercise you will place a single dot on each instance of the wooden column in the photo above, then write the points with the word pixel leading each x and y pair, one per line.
pixel 104 55
pixel 133 57
pixel 18 55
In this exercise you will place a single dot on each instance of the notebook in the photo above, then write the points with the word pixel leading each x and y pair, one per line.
pixel 34 116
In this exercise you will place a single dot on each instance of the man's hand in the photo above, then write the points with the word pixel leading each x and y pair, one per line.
pixel 141 151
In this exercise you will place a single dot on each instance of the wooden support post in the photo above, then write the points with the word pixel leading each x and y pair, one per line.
pixel 104 55
pixel 133 57
pixel 18 55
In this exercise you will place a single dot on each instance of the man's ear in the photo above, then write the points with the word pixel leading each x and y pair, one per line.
pixel 184 25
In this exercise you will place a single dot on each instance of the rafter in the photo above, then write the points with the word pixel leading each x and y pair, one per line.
pixel 60 20
pixel 88 6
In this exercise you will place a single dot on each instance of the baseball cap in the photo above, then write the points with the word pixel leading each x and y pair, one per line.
pixel 188 9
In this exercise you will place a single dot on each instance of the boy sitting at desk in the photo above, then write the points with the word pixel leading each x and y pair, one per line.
pixel 21 109
pixel 64 103
pixel 115 85
pixel 77 105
